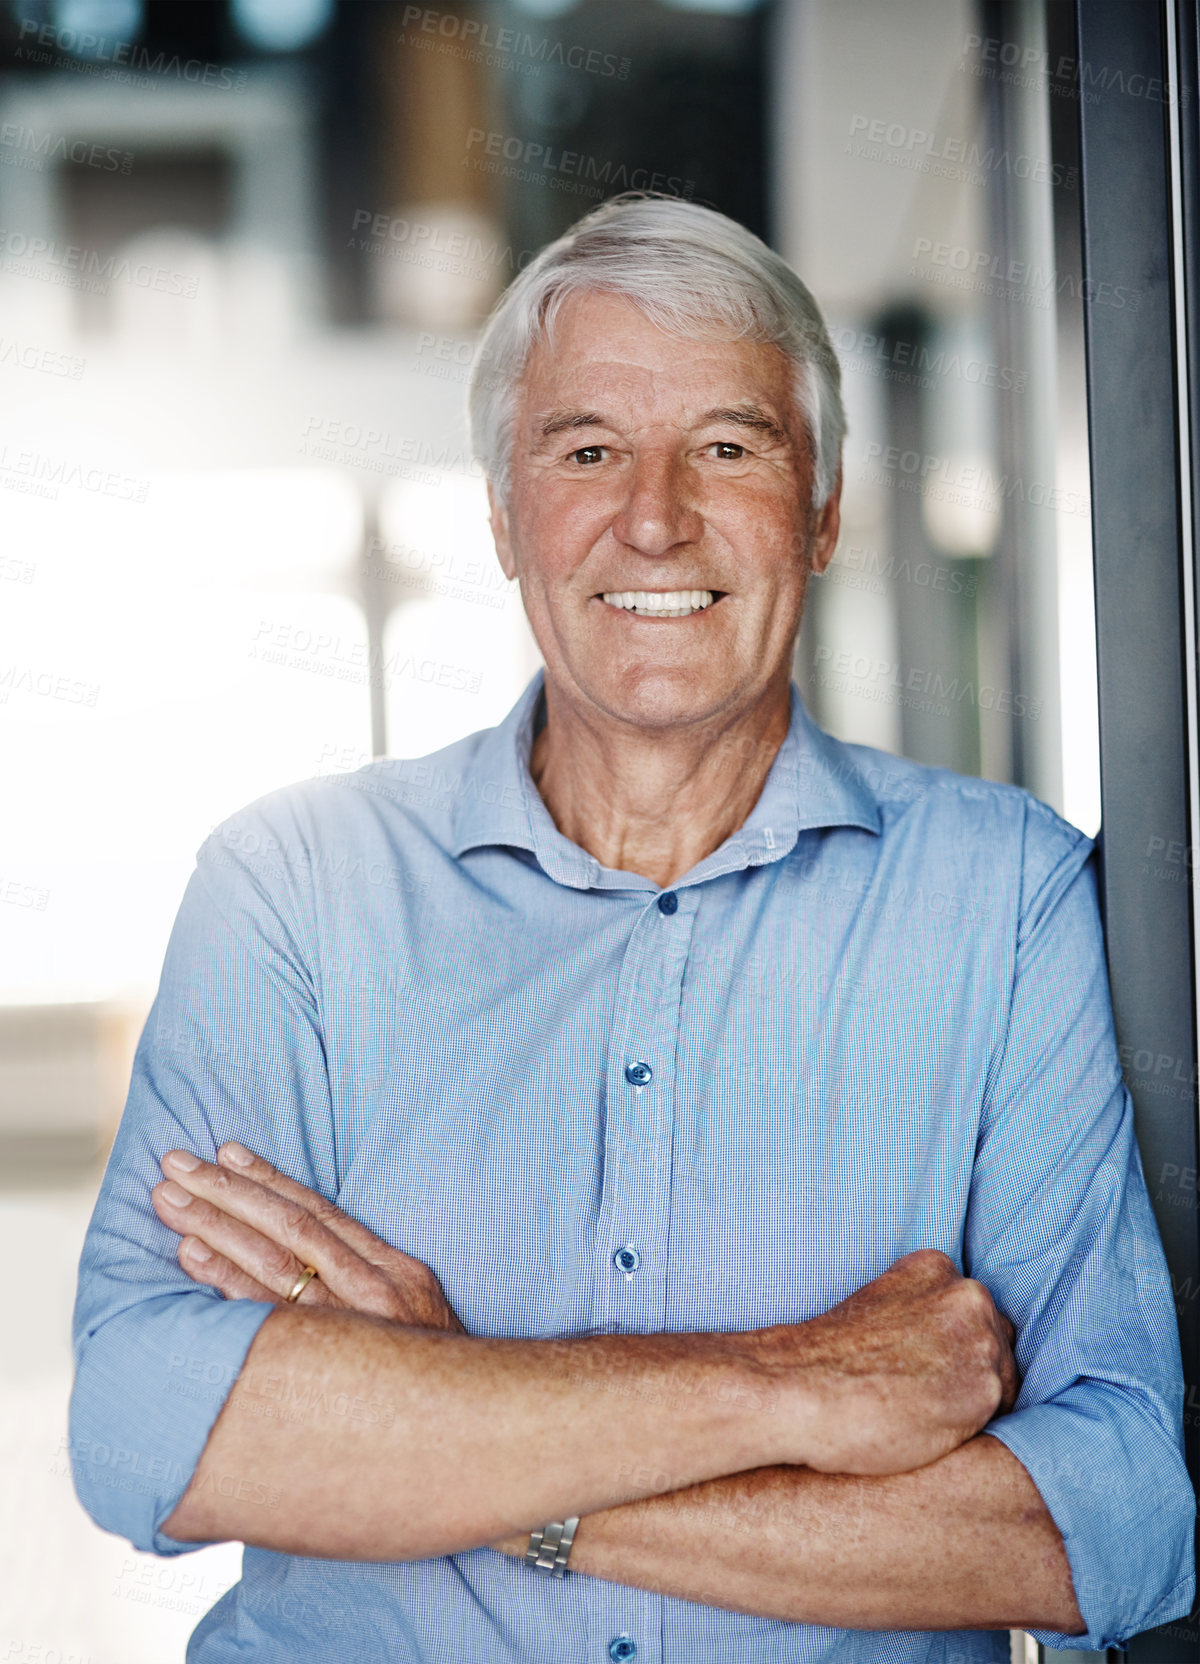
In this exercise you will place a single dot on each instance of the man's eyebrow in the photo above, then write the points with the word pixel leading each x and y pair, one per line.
pixel 562 421
pixel 740 415
pixel 746 416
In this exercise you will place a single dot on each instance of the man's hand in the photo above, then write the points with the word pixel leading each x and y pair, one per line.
pixel 901 1372
pixel 249 1232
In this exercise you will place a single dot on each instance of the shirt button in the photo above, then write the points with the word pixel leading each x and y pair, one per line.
pixel 639 1074
pixel 627 1259
pixel 668 903
pixel 622 1647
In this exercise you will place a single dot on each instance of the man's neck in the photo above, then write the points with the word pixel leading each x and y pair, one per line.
pixel 658 803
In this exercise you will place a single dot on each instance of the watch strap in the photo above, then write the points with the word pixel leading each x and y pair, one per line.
pixel 550 1546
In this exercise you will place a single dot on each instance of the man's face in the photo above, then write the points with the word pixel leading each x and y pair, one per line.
pixel 643 462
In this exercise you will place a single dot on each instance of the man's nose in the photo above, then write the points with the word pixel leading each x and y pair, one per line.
pixel 659 512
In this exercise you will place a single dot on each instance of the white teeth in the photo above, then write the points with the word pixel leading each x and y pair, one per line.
pixel 651 603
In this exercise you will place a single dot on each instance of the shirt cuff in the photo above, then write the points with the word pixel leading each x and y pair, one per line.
pixel 149 1385
pixel 1118 1491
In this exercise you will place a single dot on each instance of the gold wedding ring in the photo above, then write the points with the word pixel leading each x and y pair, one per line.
pixel 302 1282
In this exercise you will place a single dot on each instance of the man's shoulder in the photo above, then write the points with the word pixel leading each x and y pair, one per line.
pixel 992 818
pixel 424 789
pixel 390 803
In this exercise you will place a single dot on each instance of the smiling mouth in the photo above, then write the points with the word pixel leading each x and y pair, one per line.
pixel 661 603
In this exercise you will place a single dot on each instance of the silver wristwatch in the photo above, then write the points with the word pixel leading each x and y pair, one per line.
pixel 550 1546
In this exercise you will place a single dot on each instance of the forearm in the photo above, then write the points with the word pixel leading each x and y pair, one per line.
pixel 963 1543
pixel 468 1439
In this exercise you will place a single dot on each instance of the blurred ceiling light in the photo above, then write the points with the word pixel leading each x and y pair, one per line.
pixel 261 528
pixel 87 28
pixel 546 8
pixel 171 293
pixel 963 517
pixel 281 25
pixel 439 265
pixel 731 8
pixel 206 692
pixel 432 534
pixel 457 648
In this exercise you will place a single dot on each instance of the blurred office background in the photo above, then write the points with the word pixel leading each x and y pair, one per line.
pixel 245 247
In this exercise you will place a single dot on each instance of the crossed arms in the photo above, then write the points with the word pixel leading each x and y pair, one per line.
pixel 866 1495
pixel 828 1472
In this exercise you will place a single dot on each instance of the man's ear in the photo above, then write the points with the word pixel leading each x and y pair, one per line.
pixel 498 514
pixel 829 524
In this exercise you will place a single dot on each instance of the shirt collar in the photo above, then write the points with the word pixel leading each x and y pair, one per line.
pixel 813 782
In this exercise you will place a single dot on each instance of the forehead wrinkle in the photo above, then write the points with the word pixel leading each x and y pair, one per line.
pixel 603 388
pixel 582 374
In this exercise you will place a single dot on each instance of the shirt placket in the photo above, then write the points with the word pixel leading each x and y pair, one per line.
pixel 631 1265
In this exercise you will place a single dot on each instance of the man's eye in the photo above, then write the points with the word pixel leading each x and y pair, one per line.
pixel 727 451
pixel 588 454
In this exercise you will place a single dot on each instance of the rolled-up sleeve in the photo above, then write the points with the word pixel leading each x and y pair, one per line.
pixel 1061 1231
pixel 232 1048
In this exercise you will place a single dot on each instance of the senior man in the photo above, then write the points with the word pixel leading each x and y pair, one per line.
pixel 650 1112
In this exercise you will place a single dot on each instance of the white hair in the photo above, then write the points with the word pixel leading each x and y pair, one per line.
pixel 694 273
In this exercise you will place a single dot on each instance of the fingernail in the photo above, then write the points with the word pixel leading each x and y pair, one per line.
pixel 175 1194
pixel 182 1159
pixel 238 1154
pixel 197 1251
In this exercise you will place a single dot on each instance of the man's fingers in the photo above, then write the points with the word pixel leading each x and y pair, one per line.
pixel 1010 1386
pixel 237 1159
pixel 204 1266
pixel 252 1256
pixel 270 1230
pixel 926 1266
pixel 1011 1377
pixel 266 1236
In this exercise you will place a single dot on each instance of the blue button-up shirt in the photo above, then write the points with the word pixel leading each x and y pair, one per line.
pixel 875 1019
